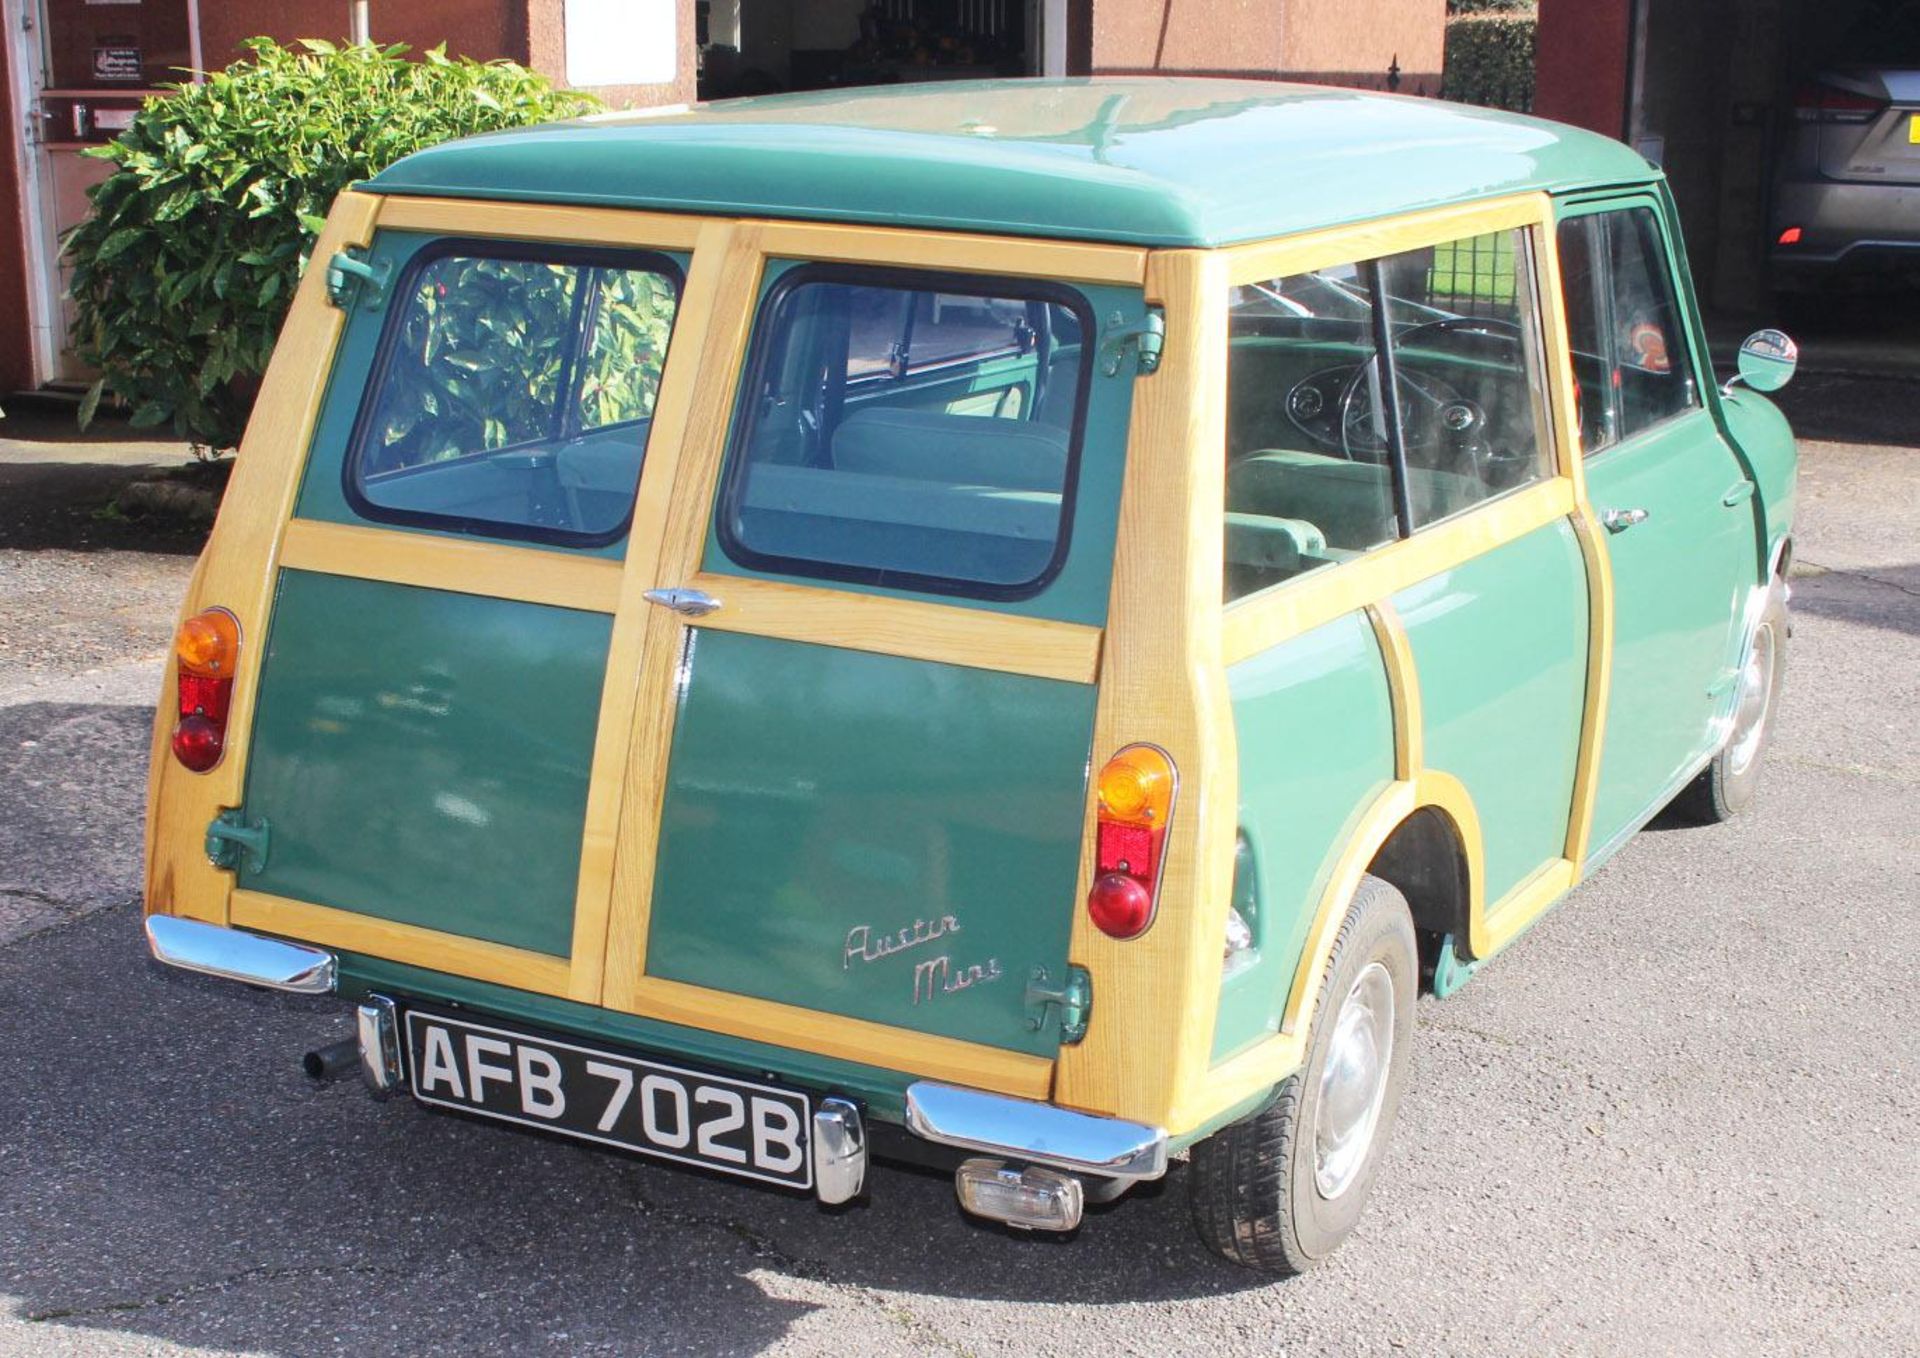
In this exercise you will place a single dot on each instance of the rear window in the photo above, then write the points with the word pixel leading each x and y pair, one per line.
pixel 513 392
pixel 919 431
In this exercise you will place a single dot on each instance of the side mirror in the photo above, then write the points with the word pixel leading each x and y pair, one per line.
pixel 1767 361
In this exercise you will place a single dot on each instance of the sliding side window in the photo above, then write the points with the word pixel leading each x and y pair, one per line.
pixel 1323 466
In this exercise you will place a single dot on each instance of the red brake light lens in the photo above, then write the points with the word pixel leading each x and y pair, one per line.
pixel 1135 808
pixel 1830 104
pixel 206 651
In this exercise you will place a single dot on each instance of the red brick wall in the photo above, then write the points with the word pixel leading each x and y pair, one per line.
pixel 474 28
pixel 16 336
pixel 1580 66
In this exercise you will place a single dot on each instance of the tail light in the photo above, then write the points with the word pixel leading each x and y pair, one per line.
pixel 206 649
pixel 1136 793
pixel 1831 104
pixel 1791 236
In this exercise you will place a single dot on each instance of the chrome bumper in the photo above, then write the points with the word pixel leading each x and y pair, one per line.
pixel 235 955
pixel 1036 1133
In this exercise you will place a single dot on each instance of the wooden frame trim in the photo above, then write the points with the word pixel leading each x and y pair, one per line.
pixel 902 627
pixel 237 571
pixel 433 949
pixel 492 569
pixel 1017 256
pixel 541 222
pixel 1259 621
pixel 1263 260
pixel 1403 687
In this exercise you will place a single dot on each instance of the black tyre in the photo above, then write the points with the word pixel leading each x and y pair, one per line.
pixel 1279 1190
pixel 1726 786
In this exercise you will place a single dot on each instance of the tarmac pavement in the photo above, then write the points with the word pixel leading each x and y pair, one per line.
pixel 1680 1117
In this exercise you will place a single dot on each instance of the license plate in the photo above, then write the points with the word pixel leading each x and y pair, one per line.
pixel 738 1127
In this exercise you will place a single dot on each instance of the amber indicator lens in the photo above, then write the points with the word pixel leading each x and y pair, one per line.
pixel 1136 786
pixel 208 644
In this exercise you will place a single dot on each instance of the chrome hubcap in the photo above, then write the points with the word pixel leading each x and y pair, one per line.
pixel 1353 1084
pixel 1756 695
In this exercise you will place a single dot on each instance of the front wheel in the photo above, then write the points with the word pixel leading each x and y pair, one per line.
pixel 1279 1190
pixel 1726 786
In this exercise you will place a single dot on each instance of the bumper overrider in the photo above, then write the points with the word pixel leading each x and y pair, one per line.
pixel 1033 1164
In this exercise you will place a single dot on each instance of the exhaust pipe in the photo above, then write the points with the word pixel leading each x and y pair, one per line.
pixel 333 1060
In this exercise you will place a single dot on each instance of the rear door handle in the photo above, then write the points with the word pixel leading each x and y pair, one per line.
pixel 1620 520
pixel 1738 493
pixel 692 603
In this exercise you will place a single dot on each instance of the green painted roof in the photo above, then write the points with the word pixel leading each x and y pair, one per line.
pixel 1142 161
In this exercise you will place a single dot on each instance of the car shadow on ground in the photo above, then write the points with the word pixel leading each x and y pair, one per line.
pixel 170 1173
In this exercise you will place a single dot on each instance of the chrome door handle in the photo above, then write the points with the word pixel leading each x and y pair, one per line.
pixel 692 603
pixel 1615 520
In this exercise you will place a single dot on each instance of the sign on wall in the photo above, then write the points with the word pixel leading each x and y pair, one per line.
pixel 622 42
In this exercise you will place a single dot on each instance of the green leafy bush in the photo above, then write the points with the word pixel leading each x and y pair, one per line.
pixel 1489 60
pixel 182 275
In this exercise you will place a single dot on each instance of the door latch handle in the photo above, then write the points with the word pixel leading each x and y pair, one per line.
pixel 1620 520
pixel 1739 493
pixel 692 603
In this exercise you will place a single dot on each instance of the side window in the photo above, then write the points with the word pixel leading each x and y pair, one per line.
pixel 1322 467
pixel 919 431
pixel 1630 352
pixel 513 393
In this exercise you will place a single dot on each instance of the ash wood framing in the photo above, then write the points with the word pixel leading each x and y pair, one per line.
pixel 541 222
pixel 960 252
pixel 462 566
pixel 237 571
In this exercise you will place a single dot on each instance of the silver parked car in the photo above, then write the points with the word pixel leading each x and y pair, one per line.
pixel 1847 195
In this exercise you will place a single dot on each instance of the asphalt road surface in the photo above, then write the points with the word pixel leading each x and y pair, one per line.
pixel 1681 1116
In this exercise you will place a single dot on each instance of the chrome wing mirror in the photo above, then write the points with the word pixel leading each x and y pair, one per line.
pixel 1767 361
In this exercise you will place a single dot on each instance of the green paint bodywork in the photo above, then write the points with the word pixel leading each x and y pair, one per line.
pixel 423 756
pixel 1681 581
pixel 1142 161
pixel 1314 723
pixel 322 495
pixel 1078 593
pixel 1760 431
pixel 1500 644
pixel 814 792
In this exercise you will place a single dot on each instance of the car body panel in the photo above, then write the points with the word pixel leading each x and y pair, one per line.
pixel 871 835
pixel 1313 718
pixel 1136 160
pixel 423 756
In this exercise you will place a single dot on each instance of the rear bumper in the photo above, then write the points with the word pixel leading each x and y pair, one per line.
pixel 938 1114
pixel 1846 225
pixel 235 955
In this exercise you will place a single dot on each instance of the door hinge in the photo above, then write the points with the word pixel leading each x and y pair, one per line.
pixel 234 842
pixel 1074 1000
pixel 349 275
pixel 1146 337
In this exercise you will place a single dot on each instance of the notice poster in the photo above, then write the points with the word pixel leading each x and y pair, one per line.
pixel 118 61
pixel 622 42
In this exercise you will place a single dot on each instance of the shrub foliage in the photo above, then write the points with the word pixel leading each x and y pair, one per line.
pixel 1489 58
pixel 183 272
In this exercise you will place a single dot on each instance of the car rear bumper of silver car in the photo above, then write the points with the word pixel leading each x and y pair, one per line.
pixel 235 955
pixel 1844 224
pixel 1035 1133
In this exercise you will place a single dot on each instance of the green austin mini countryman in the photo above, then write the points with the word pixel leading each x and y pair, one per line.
pixel 1016 626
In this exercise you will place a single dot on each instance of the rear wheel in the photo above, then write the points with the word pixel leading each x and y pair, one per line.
pixel 1279 1190
pixel 1726 786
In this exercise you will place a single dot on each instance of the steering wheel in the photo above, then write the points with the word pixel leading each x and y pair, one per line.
pixel 1438 421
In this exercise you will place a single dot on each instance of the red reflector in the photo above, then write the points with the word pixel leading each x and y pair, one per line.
pixel 1119 905
pixel 1791 236
pixel 197 743
pixel 1126 848
pixel 206 696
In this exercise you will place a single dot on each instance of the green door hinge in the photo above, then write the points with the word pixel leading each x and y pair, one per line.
pixel 349 275
pixel 234 842
pixel 1450 970
pixel 1146 337
pixel 1074 1000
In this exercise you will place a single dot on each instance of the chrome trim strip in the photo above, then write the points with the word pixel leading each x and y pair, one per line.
pixel 235 955
pixel 379 1027
pixel 839 1151
pixel 1037 1133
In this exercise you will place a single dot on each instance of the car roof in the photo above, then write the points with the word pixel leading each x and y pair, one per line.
pixel 1143 161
